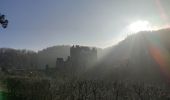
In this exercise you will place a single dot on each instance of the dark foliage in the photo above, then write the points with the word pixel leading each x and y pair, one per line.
pixel 17 59
pixel 42 89
pixel 3 21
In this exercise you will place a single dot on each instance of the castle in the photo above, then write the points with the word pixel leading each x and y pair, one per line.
pixel 80 56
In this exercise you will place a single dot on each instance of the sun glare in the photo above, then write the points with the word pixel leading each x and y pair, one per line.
pixel 140 25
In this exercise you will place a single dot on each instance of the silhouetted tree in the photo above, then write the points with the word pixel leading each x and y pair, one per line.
pixel 3 21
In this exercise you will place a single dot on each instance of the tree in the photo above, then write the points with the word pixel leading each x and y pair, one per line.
pixel 3 21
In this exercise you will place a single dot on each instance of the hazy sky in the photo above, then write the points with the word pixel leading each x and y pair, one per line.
pixel 36 24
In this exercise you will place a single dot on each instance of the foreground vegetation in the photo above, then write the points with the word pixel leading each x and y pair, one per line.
pixel 27 88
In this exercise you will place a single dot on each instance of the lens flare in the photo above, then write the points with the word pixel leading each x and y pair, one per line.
pixel 160 54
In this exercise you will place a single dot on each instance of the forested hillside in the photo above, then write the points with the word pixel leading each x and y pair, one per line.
pixel 142 56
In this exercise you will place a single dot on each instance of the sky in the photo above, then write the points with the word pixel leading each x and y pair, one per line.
pixel 37 24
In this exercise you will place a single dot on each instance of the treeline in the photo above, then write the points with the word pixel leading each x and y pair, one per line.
pixel 12 59
pixel 44 89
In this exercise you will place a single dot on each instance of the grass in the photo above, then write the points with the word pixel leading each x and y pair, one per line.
pixel 3 95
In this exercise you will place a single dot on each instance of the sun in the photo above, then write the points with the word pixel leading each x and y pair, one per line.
pixel 140 25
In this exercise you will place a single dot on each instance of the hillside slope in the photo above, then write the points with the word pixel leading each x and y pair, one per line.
pixel 143 56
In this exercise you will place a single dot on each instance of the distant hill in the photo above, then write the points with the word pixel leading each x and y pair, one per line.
pixel 49 55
